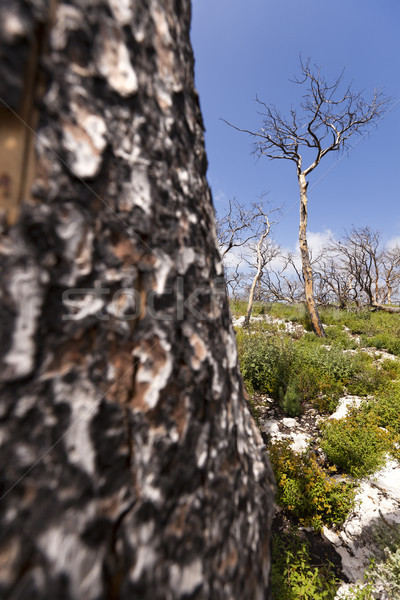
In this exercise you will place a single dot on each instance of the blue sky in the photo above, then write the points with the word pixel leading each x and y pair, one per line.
pixel 245 48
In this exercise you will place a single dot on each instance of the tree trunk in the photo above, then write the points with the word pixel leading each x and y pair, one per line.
pixel 251 296
pixel 389 293
pixel 305 260
pixel 257 276
pixel 131 467
pixel 388 309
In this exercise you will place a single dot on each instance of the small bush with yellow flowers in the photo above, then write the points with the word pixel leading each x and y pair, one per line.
pixel 306 490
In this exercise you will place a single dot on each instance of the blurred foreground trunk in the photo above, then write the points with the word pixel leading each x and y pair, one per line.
pixel 131 467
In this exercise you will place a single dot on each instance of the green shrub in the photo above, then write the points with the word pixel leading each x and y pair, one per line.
pixel 309 370
pixel 387 342
pixel 291 402
pixel 305 490
pixel 329 360
pixel 358 591
pixel 367 380
pixel 386 408
pixel 295 373
pixel 385 576
pixel 264 327
pixel 331 315
pixel 321 374
pixel 390 368
pixel 290 312
pixel 356 444
pixel 293 574
pixel 264 364
pixel 239 308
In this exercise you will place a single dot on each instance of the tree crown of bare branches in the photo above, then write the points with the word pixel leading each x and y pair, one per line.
pixel 240 224
pixel 326 121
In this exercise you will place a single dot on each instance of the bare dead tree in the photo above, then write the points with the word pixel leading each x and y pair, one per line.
pixel 372 274
pixel 325 122
pixel 390 260
pixel 335 284
pixel 264 253
pixel 236 229
pixel 234 279
pixel 237 226
pixel 284 283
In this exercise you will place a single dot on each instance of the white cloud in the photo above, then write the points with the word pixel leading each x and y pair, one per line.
pixel 317 240
pixel 393 242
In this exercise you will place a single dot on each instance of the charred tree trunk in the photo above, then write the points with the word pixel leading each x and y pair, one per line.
pixel 305 260
pixel 131 467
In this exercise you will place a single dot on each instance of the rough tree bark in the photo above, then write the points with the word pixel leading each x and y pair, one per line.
pixel 131 467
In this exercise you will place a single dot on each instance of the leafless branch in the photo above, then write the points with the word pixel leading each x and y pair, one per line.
pixel 327 119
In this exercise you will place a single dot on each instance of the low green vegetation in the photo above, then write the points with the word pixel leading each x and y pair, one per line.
pixel 376 329
pixel 356 444
pixel 239 307
pixel 306 490
pixel 295 574
pixel 298 371
pixel 359 443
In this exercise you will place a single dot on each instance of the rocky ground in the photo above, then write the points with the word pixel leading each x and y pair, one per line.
pixel 378 496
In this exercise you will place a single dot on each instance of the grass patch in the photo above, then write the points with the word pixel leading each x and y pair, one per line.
pixel 336 335
pixel 239 308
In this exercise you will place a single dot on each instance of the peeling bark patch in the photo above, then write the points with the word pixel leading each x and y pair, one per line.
pixel 68 554
pixel 9 560
pixel 71 355
pixel 165 55
pixel 180 414
pixel 122 364
pixel 114 62
pixel 25 290
pixel 200 351
pixel 187 579
pixel 155 367
pixel 122 11
pixel 78 242
pixel 125 251
pixel 85 144
pixel 164 264
pixel 69 18
pixel 140 191
pixel 83 401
